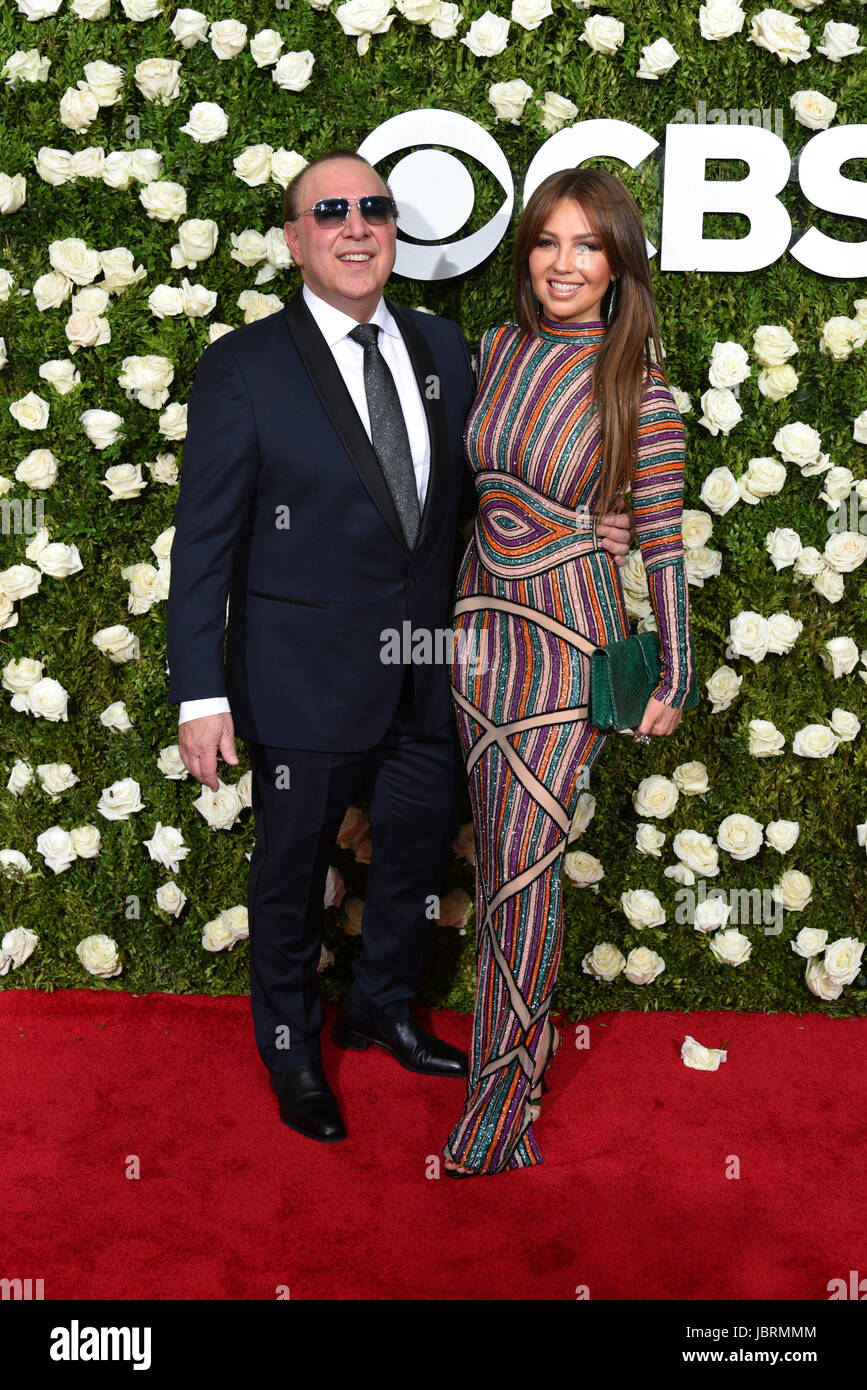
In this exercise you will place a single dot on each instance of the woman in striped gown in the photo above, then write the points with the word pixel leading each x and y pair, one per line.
pixel 572 411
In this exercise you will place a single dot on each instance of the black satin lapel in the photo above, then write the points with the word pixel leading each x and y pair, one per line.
pixel 331 389
pixel 430 388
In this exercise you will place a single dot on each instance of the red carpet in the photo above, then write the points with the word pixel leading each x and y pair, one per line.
pixel 632 1199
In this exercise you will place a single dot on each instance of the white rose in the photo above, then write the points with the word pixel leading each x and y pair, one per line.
pixel 720 490
pixel 38 9
pixel 197 303
pixel 220 808
pixel 159 79
pixel 819 982
pixel 117 169
pixel 164 469
pixel 13 191
pixel 170 764
pixel 120 800
pixel 697 851
pixel 119 269
pixel 146 165
pixel 87 330
pixel 700 1058
pixel 842 959
pixel 509 99
pixel 731 947
pixel 171 898
pixel 605 961
pixel 102 427
pixel 55 846
pixel 47 699
pixel 60 373
pixel 56 560
pixel 98 953
pixel 85 841
pixel 217 935
pixel 228 37
pixel 681 400
pixel 144 587
pixel 643 966
pixel 729 364
pixel 245 789
pixel 749 635
pixel 249 247
pixel 582 869
pixel 777 382
pixel 206 122
pixel 584 813
pixel 285 164
pixel 455 909
pixel 691 778
pixel 719 19
pixel 720 411
pixel 104 80
pixel 846 725
pixel 530 13
pixel 649 840
pixel 73 259
pixel 197 240
pixel 19 676
pixel 55 778
pixel 487 36
pixel 141 10
pixel 117 643
pixel 829 584
pixel 845 551
pixel 815 741
pixel 783 546
pixel 809 942
pixel 164 200
pixel 696 528
pixel 167 847
pixel 702 564
pixel 51 290
pixel 764 477
pixel 798 443
pixel 253 165
pixel 258 306
pixel 765 739
pixel 173 421
pixel 838 337
pixel 445 22
pixel 115 716
pixel 711 914
pixel 293 71
pixel 657 59
pixel 38 469
pixel 603 34
pixel 165 301
pixel 363 18
pixel 418 11
pixel 794 890
pixel 839 656
pixel 773 344
pixel 838 485
pixel 655 796
pixel 189 27
pixel 30 412
pixel 782 835
pixel 740 836
pixel 781 34
pixel 19 945
pixel 53 166
pixel 642 908
pixel 813 109
pixel 27 66
pixel 20 581
pixel 809 562
pixel 123 481
pixel 839 41
pixel 556 111
pixel 148 379
pixel 265 47
pixel 79 107
pixel 19 778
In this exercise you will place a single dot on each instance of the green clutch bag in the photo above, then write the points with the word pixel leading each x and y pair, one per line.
pixel 623 676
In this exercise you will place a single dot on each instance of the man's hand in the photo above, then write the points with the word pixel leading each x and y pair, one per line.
pixel 616 532
pixel 198 742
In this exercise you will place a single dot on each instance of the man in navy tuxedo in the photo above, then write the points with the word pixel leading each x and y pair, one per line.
pixel 320 495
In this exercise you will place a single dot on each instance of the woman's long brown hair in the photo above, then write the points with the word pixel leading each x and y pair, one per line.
pixel 624 357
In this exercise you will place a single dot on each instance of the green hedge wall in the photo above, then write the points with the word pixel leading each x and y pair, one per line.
pixel 348 96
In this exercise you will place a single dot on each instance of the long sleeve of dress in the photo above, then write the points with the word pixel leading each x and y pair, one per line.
pixel 657 501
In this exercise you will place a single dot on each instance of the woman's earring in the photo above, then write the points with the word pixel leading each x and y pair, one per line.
pixel 613 300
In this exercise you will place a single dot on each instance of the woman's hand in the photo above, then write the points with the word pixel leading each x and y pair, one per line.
pixel 659 718
pixel 615 532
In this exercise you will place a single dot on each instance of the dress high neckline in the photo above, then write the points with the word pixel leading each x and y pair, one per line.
pixel 592 331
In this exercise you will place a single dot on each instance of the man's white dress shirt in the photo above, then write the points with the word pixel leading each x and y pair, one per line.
pixel 349 356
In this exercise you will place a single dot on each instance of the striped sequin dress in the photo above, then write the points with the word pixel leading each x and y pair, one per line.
pixel 534 597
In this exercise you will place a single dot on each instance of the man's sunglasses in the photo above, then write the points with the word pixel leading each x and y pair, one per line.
pixel 375 208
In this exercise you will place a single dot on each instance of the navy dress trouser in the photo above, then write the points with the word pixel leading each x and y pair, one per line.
pixel 299 799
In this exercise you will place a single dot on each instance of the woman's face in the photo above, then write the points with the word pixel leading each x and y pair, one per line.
pixel 568 267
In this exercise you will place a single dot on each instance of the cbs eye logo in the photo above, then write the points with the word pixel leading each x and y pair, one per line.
pixel 435 193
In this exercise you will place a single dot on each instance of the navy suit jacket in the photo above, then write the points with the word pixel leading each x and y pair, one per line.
pixel 283 510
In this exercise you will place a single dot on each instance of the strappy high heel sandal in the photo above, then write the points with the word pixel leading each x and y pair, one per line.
pixel 534 1102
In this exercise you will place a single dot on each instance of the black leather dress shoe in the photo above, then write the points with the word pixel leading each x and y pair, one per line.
pixel 405 1039
pixel 307 1102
